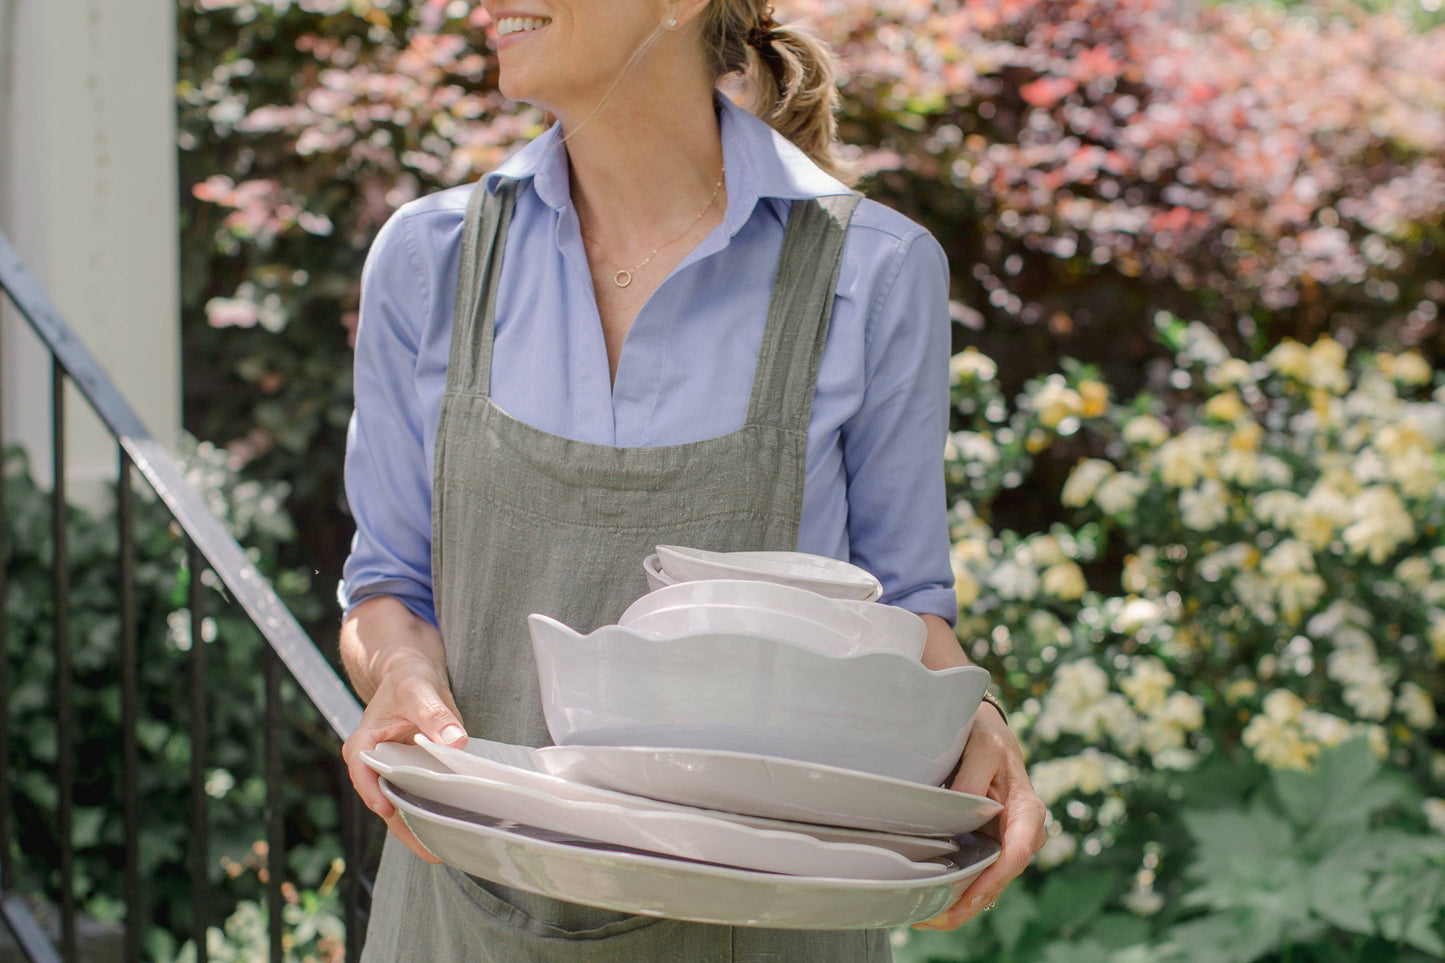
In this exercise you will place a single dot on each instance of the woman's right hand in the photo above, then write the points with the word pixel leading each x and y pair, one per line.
pixel 405 686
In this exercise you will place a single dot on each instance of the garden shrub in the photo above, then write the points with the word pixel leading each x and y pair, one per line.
pixel 235 727
pixel 1241 718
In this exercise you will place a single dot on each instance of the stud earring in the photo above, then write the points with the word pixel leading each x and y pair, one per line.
pixel 671 23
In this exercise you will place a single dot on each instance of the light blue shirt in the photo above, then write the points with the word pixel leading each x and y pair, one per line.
pixel 874 483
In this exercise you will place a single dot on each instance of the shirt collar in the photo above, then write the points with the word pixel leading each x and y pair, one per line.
pixel 761 163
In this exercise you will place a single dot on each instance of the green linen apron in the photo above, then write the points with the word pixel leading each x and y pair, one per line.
pixel 526 521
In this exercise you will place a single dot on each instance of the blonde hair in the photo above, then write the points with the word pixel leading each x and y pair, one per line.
pixel 789 76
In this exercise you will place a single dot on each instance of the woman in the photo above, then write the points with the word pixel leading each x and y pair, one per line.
pixel 672 325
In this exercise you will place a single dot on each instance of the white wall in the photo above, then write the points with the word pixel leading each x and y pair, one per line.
pixel 88 197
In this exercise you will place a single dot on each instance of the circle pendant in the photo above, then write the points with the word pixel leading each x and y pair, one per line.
pixel 623 278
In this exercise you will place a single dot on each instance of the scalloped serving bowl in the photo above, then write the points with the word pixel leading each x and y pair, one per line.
pixel 879 711
pixel 835 626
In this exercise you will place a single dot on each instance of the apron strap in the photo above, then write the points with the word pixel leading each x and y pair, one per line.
pixel 800 311
pixel 484 232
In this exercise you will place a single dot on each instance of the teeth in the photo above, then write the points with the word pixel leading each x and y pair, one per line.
pixel 510 25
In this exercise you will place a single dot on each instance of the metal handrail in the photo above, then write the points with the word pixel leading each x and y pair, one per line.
pixel 209 540
pixel 166 476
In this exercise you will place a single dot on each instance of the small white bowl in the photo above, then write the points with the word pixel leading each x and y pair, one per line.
pixel 864 625
pixel 817 573
pixel 656 577
pixel 878 711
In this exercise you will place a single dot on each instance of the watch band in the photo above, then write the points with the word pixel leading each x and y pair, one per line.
pixel 988 697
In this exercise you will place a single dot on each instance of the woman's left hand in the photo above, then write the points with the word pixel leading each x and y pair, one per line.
pixel 993 766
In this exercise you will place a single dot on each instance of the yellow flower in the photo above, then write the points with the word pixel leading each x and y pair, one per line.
pixel 1397 439
pixel 1095 397
pixel 1056 401
pixel 1231 371
pixel 1436 633
pixel 1410 368
pixel 1226 407
pixel 1416 706
pixel 1289 358
pixel 1036 441
pixel 1120 492
pixel 1414 572
pixel 1146 430
pixel 970 364
pixel 1326 367
pixel 1147 684
pixel 1142 575
pixel 1279 744
pixel 1247 437
pixel 1188 457
pixel 1320 516
pixel 1064 580
pixel 1239 690
pixel 1381 524
pixel 1284 706
pixel 1416 472
pixel 1084 480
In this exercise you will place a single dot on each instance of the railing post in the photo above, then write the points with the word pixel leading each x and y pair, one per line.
pixel 65 721
pixel 275 803
pixel 200 837
pixel 351 840
pixel 7 875
pixel 129 701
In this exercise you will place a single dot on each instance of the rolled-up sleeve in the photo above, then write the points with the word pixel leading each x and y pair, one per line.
pixel 388 480
pixel 893 447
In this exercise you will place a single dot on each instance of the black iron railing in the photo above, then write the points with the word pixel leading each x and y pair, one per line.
pixel 210 545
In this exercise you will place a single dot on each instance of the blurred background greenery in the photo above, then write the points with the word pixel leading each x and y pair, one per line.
pixel 1196 473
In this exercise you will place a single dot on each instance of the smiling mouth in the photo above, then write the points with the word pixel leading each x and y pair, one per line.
pixel 510 25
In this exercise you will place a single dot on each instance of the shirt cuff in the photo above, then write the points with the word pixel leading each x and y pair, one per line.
pixel 929 600
pixel 407 593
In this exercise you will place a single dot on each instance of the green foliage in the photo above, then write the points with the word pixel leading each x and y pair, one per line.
pixel 233 701
pixel 1314 864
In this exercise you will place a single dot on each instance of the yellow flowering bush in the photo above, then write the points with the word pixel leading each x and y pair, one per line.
pixel 1243 572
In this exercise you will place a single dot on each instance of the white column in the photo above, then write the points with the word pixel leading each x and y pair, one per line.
pixel 88 197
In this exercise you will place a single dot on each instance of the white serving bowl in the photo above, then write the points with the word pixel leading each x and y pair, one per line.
pixel 878 712
pixel 726 605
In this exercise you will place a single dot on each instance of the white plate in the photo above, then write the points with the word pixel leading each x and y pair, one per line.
pixel 518 766
pixel 554 865
pixel 776 788
pixel 656 829
pixel 818 573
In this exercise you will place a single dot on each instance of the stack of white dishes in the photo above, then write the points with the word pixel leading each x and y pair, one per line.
pixel 744 751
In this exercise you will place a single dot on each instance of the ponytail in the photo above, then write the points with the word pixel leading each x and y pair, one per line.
pixel 790 76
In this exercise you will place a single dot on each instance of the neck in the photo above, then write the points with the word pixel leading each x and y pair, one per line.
pixel 644 162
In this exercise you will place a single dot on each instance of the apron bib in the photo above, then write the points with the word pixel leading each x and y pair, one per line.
pixel 526 521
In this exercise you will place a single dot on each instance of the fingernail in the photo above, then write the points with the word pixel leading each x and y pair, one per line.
pixel 453 734
pixel 927 925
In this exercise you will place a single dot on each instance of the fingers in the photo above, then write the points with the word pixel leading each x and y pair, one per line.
pixel 398 828
pixel 436 717
pixel 993 766
pixel 987 751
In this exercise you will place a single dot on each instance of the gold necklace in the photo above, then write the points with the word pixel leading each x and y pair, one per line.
pixel 624 277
